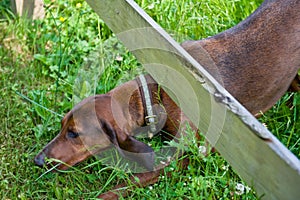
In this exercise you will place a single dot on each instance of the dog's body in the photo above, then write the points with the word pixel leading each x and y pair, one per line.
pixel 256 61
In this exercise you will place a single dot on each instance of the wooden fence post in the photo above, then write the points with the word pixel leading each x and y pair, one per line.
pixel 32 9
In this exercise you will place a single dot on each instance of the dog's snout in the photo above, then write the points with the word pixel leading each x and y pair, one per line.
pixel 39 160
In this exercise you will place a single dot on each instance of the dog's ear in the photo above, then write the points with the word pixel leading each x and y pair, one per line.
pixel 129 147
pixel 109 131
pixel 138 152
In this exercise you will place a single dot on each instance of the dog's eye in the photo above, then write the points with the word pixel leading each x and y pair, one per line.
pixel 72 134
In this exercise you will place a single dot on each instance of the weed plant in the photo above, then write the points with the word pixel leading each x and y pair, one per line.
pixel 47 65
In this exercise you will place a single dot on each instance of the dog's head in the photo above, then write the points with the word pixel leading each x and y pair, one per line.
pixel 88 129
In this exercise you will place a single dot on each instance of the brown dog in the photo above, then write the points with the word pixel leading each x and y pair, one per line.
pixel 111 120
pixel 256 61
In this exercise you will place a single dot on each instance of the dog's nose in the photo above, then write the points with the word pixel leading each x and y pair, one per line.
pixel 39 160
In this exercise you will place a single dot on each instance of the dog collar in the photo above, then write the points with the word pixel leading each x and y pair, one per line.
pixel 151 119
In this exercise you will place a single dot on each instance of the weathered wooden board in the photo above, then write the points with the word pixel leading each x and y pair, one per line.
pixel 259 158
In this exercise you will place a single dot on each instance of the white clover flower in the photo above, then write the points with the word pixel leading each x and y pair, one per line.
pixel 225 167
pixel 239 189
pixel 202 150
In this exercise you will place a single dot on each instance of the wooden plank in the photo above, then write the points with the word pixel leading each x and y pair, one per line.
pixel 258 157
pixel 32 9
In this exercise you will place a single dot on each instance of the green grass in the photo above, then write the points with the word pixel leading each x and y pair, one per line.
pixel 72 54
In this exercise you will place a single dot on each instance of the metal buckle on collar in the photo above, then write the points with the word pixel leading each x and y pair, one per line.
pixel 151 120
